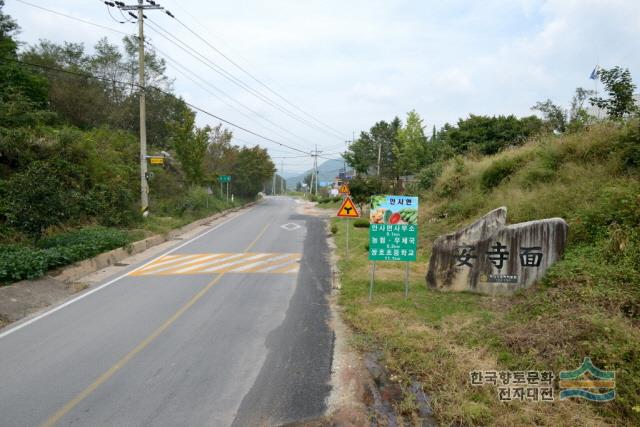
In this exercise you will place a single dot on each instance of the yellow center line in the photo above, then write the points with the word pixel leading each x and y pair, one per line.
pixel 252 244
pixel 52 420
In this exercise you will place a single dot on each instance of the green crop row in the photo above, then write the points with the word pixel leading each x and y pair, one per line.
pixel 18 262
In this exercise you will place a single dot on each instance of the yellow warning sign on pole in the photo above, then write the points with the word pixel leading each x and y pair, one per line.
pixel 156 160
pixel 348 209
pixel 344 189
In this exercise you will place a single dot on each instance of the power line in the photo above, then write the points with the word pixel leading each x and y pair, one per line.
pixel 334 131
pixel 224 73
pixel 195 107
pixel 184 71
pixel 72 17
pixel 84 21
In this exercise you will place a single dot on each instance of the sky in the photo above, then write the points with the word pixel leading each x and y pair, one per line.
pixel 351 63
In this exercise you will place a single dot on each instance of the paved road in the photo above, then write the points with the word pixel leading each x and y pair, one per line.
pixel 227 329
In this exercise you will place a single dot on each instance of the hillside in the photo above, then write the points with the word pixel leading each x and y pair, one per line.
pixel 588 304
pixel 327 170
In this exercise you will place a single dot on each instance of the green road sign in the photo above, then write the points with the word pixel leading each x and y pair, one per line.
pixel 393 242
pixel 224 178
pixel 393 229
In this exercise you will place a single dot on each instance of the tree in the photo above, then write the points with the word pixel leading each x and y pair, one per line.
pixel 190 144
pixel 578 115
pixel 362 188
pixel 252 167
pixel 554 115
pixel 411 145
pixel 362 154
pixel 619 86
pixel 23 93
pixel 488 135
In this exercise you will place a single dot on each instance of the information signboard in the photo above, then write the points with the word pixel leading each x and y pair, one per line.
pixel 393 228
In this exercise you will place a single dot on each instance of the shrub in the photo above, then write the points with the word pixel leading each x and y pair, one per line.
pixel 22 262
pixel 630 145
pixel 334 228
pixel 361 223
pixel 18 263
pixel 429 175
pixel 497 172
pixel 41 196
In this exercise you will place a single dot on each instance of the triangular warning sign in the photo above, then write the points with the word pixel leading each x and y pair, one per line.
pixel 348 209
pixel 343 189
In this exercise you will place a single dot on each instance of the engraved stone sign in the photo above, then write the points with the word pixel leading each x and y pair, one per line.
pixel 491 257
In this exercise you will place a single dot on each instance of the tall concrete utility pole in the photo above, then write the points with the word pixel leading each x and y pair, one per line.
pixel 273 187
pixel 315 170
pixel 144 183
pixel 282 176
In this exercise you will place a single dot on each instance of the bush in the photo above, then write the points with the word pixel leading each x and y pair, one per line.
pixel 497 172
pixel 22 262
pixel 361 223
pixel 630 144
pixel 41 196
pixel 334 229
pixel 428 176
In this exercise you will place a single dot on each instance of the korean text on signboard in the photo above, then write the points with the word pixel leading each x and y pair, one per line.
pixel 393 229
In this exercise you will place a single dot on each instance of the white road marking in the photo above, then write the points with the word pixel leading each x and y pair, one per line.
pixel 277 266
pixel 249 266
pixel 213 261
pixel 228 264
pixel 110 282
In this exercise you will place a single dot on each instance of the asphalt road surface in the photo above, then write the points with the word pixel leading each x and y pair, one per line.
pixel 228 329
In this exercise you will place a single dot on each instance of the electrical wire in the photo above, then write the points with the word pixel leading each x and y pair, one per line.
pixel 153 26
pixel 84 21
pixel 193 106
pixel 72 17
pixel 184 71
pixel 335 132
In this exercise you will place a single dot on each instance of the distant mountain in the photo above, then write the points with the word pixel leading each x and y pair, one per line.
pixel 327 171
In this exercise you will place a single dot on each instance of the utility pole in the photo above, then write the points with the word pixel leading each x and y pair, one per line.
pixel 144 183
pixel 282 175
pixel 273 187
pixel 314 154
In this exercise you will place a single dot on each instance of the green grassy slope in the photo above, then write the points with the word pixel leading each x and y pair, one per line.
pixel 588 304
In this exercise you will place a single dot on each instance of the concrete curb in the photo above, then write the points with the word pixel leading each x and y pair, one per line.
pixel 80 269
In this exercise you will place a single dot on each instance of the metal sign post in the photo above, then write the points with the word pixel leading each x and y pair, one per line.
pixel 373 279
pixel 348 210
pixel 346 221
pixel 406 280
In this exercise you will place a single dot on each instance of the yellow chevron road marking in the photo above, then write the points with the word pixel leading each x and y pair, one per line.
pixel 213 263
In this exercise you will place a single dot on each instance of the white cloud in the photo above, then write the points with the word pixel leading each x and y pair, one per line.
pixel 354 63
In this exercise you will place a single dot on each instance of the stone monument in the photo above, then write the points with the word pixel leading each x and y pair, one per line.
pixel 490 257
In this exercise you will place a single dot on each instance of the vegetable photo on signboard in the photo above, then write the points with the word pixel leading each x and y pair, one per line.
pixel 394 210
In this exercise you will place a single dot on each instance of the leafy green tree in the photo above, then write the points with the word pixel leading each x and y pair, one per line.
pixel 253 166
pixel 578 115
pixel 362 188
pixel 488 135
pixel 382 138
pixel 554 115
pixel 619 86
pixel 23 93
pixel 411 145
pixel 190 144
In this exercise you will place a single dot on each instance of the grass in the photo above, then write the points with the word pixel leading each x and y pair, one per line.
pixel 587 305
